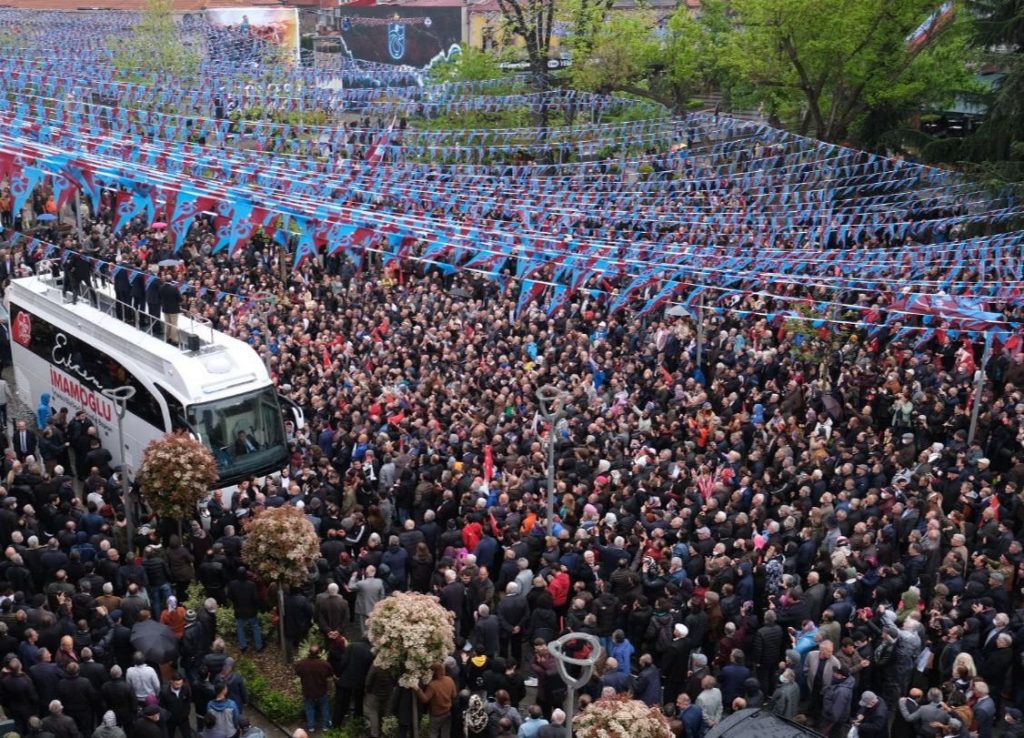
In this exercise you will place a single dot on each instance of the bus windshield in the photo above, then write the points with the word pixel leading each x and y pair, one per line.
pixel 245 433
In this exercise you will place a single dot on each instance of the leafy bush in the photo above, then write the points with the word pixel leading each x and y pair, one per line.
pixel 281 707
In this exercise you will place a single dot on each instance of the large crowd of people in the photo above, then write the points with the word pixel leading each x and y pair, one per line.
pixel 795 521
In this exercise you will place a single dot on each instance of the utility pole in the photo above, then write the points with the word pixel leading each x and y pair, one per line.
pixel 551 400
pixel 979 384
pixel 120 397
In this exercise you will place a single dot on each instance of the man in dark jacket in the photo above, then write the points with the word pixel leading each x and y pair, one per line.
pixel 513 614
pixel 18 695
pixel 194 645
pixel 148 725
pixel 176 699
pixel 46 675
pixel 315 676
pixel 119 697
pixel 648 682
pixel 123 293
pixel 487 632
pixel 170 304
pixel 675 664
pixel 769 648
pixel 159 578
pixel 79 698
pixel 153 289
pixel 873 719
pixel 58 723
pixel 351 674
pixel 242 595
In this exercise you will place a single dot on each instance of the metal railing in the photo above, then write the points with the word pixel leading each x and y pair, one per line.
pixel 193 332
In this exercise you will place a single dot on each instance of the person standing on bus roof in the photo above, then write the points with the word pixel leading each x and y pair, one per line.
pixel 170 303
pixel 138 298
pixel 153 288
pixel 123 292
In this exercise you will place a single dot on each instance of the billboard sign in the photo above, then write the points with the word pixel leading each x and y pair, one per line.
pixel 277 26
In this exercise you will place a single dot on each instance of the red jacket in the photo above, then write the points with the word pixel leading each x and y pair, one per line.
pixel 558 588
pixel 471 535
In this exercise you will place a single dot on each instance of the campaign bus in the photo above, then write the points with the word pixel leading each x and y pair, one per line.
pixel 209 384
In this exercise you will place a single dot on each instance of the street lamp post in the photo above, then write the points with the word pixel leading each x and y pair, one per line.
pixel 266 302
pixel 551 401
pixel 120 397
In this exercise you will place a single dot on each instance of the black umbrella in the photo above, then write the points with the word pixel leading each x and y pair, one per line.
pixel 155 640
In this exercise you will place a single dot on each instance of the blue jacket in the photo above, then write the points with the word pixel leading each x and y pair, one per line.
pixel 44 412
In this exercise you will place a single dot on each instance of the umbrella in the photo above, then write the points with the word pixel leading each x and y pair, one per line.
pixel 155 640
pixel 158 226
pixel 168 262
pixel 832 406
pixel 46 217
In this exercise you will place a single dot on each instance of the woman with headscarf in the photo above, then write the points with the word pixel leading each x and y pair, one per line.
pixel 475 719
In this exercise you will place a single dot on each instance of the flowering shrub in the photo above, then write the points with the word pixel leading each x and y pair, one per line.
pixel 177 472
pixel 278 544
pixel 620 717
pixel 410 633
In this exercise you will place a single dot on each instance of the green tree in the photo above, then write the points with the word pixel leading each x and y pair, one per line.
pixel 155 48
pixel 468 66
pixel 533 21
pixel 628 52
pixel 996 150
pixel 825 66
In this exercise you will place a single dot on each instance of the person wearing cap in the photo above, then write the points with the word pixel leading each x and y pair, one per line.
pixel 675 664
pixel 147 725
pixel 873 717
pixel 194 645
pixel 1014 723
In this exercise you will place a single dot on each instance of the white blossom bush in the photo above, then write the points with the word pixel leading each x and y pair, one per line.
pixel 620 717
pixel 279 543
pixel 410 633
pixel 177 472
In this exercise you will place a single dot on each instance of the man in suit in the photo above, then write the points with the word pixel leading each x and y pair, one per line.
pixel 331 611
pixel 170 304
pixel 984 710
pixel 123 293
pixel 818 668
pixel 25 441
pixel 153 289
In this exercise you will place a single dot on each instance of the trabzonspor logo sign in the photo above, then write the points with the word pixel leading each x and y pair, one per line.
pixel 21 331
pixel 396 41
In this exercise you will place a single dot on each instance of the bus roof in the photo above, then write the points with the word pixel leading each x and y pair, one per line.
pixel 222 366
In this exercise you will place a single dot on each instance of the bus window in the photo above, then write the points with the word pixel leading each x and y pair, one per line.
pixel 175 410
pixel 245 433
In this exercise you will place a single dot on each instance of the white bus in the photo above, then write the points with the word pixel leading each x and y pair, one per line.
pixel 211 384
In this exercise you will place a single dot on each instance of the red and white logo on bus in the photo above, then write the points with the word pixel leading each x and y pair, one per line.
pixel 21 331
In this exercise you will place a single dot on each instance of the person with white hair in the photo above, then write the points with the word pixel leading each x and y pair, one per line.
pixel 369 591
pixel 59 724
pixel 556 728
pixel 331 611
pixel 513 614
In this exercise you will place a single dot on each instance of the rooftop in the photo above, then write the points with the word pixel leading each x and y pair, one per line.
pixel 179 5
